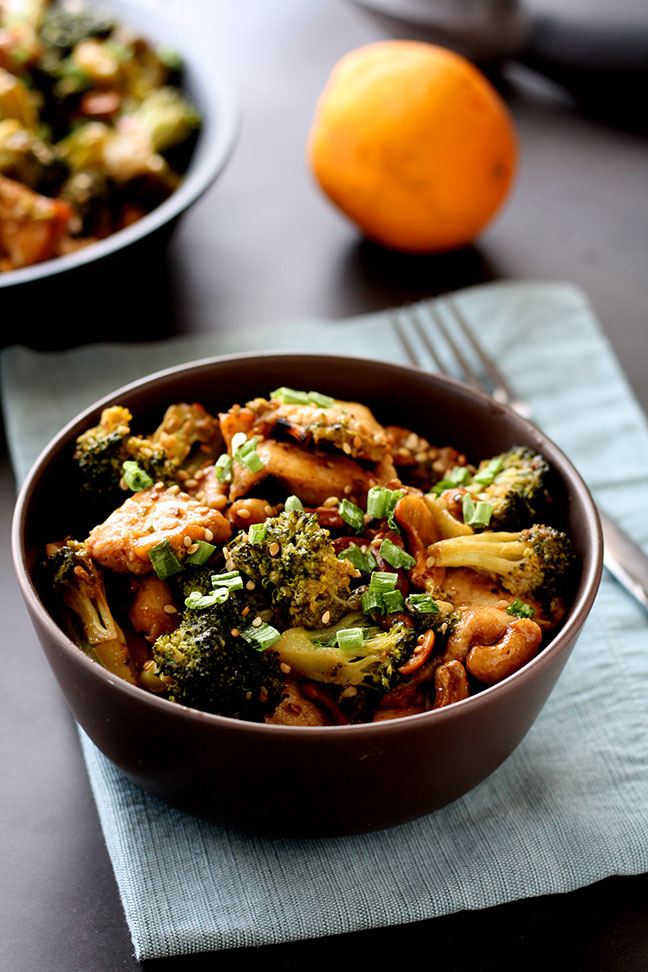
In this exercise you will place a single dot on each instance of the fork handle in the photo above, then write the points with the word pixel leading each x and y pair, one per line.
pixel 625 560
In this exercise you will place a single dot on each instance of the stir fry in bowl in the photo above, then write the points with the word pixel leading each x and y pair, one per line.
pixel 94 128
pixel 293 561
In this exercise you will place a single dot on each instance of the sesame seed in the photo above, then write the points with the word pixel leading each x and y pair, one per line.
pixel 273 549
pixel 148 665
pixel 267 509
pixel 170 609
pixel 159 485
pixel 285 668
pixel 246 611
pixel 218 503
pixel 346 448
pixel 250 585
pixel 331 501
pixel 229 564
pixel 257 622
pixel 192 548
pixel 326 617
pixel 187 541
pixel 243 514
pixel 347 489
pixel 174 489
pixel 184 496
pixel 349 692
pixel 183 474
pixel 430 562
pixel 357 441
pixel 209 534
pixel 421 456
pixel 191 483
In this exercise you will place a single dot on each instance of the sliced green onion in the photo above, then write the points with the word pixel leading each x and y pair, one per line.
pixel 289 396
pixel 382 580
pixel 262 637
pixel 165 563
pixel 485 476
pixel 393 601
pixel 423 604
pixel 244 451
pixel 324 401
pixel 520 609
pixel 458 476
pixel 257 532
pixel 396 494
pixel 365 562
pixel 202 554
pixel 350 639
pixel 395 556
pixel 223 467
pixel 377 499
pixel 135 477
pixel 232 581
pixel 352 515
pixel 198 602
pixel 476 514
pixel 372 602
pixel 294 504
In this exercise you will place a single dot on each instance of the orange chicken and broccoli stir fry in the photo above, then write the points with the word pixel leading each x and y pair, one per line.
pixel 94 128
pixel 293 561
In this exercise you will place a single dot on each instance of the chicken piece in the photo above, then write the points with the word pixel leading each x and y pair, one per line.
pixel 153 612
pixel 31 226
pixel 348 426
pixel 122 543
pixel 313 476
pixel 297 710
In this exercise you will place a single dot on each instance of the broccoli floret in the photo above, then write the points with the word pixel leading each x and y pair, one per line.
pixel 537 563
pixel 207 667
pixel 76 580
pixel 317 655
pixel 167 118
pixel 518 489
pixel 102 450
pixel 26 157
pixel 63 28
pixel 296 562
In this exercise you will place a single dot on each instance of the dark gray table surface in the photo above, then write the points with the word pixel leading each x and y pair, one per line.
pixel 265 246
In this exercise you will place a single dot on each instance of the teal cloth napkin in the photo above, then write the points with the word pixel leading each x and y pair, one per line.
pixel 568 808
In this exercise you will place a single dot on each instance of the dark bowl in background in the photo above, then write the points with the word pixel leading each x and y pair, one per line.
pixel 53 292
pixel 305 781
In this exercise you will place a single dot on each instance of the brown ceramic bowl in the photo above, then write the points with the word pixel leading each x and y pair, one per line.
pixel 295 781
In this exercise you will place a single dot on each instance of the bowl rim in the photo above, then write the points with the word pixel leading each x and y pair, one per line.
pixel 216 141
pixel 566 636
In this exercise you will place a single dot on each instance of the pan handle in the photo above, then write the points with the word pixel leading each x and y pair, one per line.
pixel 602 63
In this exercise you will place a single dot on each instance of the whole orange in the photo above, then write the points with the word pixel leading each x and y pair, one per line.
pixel 413 144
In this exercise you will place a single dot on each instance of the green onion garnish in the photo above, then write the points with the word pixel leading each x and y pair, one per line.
pixel 257 532
pixel 165 563
pixel 202 554
pixel 393 601
pixel 231 580
pixel 382 581
pixel 486 475
pixel 350 639
pixel 423 604
pixel 198 602
pixel 377 499
pixel 294 504
pixel 352 515
pixel 476 514
pixel 372 602
pixel 395 556
pixel 223 467
pixel 396 494
pixel 520 609
pixel 135 477
pixel 365 562
pixel 289 396
pixel 458 476
pixel 262 637
pixel 244 451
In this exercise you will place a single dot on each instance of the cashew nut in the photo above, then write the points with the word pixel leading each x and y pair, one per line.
pixel 517 646
pixel 450 684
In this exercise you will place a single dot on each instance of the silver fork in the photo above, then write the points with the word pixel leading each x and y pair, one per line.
pixel 461 356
